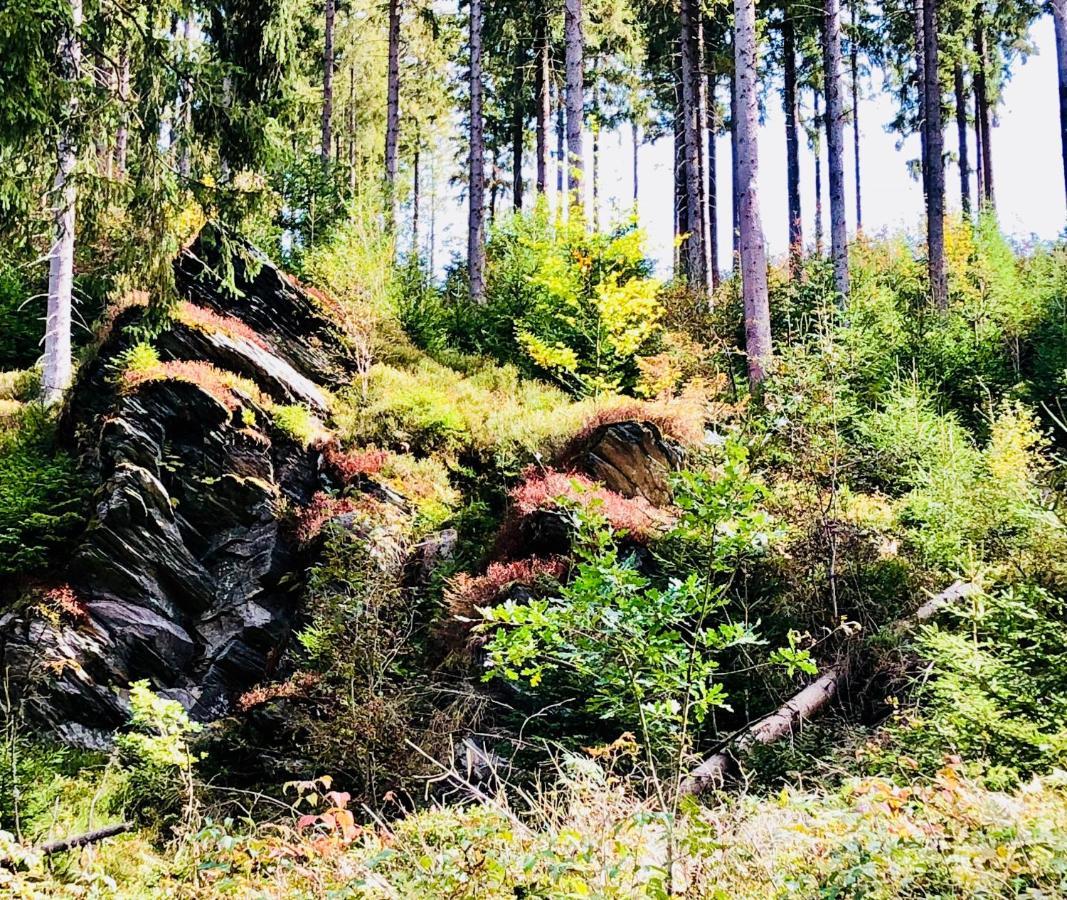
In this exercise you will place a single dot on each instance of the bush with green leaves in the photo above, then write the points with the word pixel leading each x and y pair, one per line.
pixel 42 495
pixel 21 328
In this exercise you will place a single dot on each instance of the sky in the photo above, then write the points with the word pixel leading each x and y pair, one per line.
pixel 1027 167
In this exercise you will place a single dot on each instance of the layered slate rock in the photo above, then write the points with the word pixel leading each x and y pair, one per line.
pixel 185 574
pixel 632 458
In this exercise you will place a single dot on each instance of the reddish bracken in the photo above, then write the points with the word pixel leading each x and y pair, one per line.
pixel 467 593
pixel 69 605
pixel 201 317
pixel 300 685
pixel 202 374
pixel 318 512
pixel 348 465
pixel 541 490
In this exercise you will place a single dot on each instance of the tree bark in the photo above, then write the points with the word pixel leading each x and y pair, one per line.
pixel 792 144
pixel 561 154
pixel 692 140
pixel 518 116
pixel 122 135
pixel 981 92
pixel 575 62
pixel 415 199
pixel 816 149
pixel 392 105
pixel 835 145
pixel 327 83
pixel 596 143
pixel 476 220
pixel 735 205
pixel 713 189
pixel 636 146
pixel 853 56
pixel 935 193
pixel 1059 17
pixel 920 92
pixel 83 840
pixel 805 705
pixel 961 135
pixel 58 364
pixel 752 250
pixel 543 78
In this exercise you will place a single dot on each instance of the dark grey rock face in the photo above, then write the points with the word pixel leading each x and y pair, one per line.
pixel 633 459
pixel 185 572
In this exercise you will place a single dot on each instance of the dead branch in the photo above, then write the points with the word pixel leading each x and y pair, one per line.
pixel 82 840
pixel 711 773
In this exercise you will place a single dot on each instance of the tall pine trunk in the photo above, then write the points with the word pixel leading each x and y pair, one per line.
pixel 476 219
pixel 561 154
pixel 58 364
pixel 1059 17
pixel 835 144
pixel 816 149
pixel 596 143
pixel 982 111
pixel 122 135
pixel 327 83
pixel 752 251
pixel 713 188
pixel 792 144
pixel 574 40
pixel 961 136
pixel 518 121
pixel 692 138
pixel 415 200
pixel 935 181
pixel 392 105
pixel 542 85
pixel 854 65
pixel 635 144
pixel 920 91
pixel 735 198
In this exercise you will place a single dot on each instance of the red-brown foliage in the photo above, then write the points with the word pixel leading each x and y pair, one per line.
pixel 300 685
pixel 348 465
pixel 201 317
pixel 318 512
pixel 541 490
pixel 65 600
pixel 203 375
pixel 467 593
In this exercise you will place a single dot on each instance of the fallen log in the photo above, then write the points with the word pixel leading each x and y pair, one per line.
pixel 712 772
pixel 82 840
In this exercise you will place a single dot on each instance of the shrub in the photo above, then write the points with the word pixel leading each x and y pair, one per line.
pixel 21 328
pixel 298 423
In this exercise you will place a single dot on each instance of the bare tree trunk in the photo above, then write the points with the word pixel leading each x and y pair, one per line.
pixel 575 62
pixel 735 199
pixel 816 149
pixel 635 144
pixel 920 90
pixel 681 204
pixel 58 364
pixel 792 144
pixel 351 123
pixel 692 140
pixel 1059 17
pixel 961 134
pixel 596 143
pixel 935 182
pixel 543 79
pixel 713 188
pixel 855 67
pixel 979 179
pixel 392 106
pixel 415 198
pixel 835 145
pixel 982 111
pixel 476 221
pixel 327 83
pixel 518 116
pixel 122 135
pixel 701 125
pixel 561 155
pixel 753 252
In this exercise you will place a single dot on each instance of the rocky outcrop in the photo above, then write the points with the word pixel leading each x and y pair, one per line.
pixel 633 459
pixel 184 576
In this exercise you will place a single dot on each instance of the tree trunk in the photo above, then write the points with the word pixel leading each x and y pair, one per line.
pixel 811 701
pixel 961 134
pixel 543 80
pixel 561 155
pixel 692 140
pixel 58 364
pixel 681 206
pixel 753 252
pixel 596 143
pixel 392 106
pixel 735 204
pixel 518 116
pixel 935 182
pixel 979 180
pixel 415 202
pixel 920 92
pixel 982 111
pixel 636 146
pixel 327 83
pixel 835 145
pixel 476 221
pixel 1059 17
pixel 713 189
pixel 817 153
pixel 351 123
pixel 122 135
pixel 575 62
pixel 701 124
pixel 792 144
pixel 855 67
